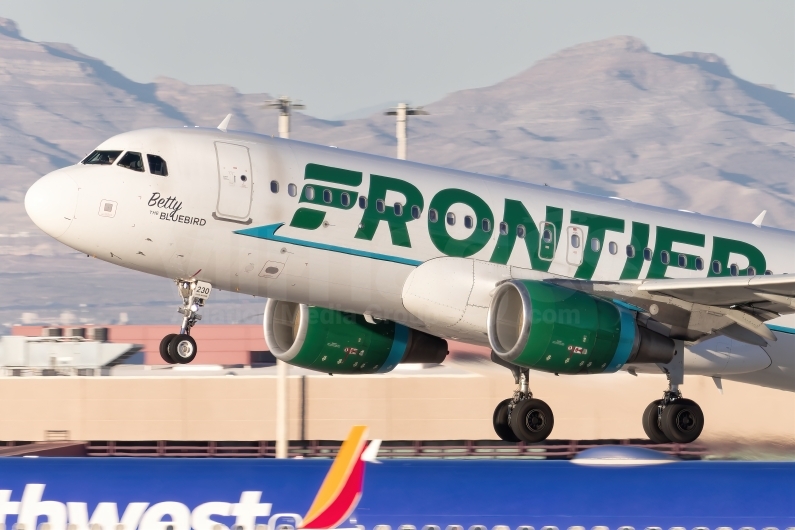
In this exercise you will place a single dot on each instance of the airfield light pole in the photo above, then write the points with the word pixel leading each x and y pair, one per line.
pixel 281 409
pixel 285 106
pixel 403 111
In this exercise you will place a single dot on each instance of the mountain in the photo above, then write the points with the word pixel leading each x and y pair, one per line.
pixel 607 117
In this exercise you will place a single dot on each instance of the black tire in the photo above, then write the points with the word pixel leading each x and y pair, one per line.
pixel 182 349
pixel 651 424
pixel 682 421
pixel 500 420
pixel 532 420
pixel 164 348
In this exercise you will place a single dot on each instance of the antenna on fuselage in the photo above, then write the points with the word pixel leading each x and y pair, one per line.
pixel 225 123
pixel 285 106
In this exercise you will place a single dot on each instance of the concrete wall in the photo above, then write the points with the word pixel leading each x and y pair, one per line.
pixel 441 403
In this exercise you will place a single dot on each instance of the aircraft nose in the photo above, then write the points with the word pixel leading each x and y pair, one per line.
pixel 51 202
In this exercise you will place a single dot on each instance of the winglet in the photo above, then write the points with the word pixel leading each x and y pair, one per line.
pixel 341 490
pixel 759 218
pixel 225 123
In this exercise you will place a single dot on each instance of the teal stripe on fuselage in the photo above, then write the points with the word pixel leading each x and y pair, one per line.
pixel 781 329
pixel 269 232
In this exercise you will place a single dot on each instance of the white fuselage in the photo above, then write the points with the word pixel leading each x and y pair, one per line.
pixel 204 221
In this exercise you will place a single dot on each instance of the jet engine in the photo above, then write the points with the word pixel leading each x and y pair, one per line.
pixel 547 327
pixel 335 342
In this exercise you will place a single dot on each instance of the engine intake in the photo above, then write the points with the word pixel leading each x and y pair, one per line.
pixel 335 342
pixel 546 327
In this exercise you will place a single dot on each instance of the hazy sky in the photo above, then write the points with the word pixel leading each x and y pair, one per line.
pixel 345 55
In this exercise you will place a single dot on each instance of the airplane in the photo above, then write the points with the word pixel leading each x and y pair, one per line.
pixel 602 488
pixel 367 262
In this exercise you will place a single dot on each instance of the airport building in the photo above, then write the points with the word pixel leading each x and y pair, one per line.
pixel 227 403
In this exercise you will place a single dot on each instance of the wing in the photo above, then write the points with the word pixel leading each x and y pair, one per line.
pixel 774 292
pixel 692 308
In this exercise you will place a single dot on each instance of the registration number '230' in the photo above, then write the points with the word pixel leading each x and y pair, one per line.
pixel 202 290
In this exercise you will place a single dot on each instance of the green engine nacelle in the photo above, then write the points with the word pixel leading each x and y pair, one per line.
pixel 546 327
pixel 343 343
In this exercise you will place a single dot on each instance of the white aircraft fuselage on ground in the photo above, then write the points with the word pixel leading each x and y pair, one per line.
pixel 436 253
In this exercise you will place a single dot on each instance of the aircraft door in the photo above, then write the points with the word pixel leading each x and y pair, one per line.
pixel 546 243
pixel 574 249
pixel 235 182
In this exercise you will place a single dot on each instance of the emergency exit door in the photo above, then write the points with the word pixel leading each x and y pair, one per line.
pixel 235 182
pixel 547 238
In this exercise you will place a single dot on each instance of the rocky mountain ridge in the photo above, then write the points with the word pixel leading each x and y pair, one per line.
pixel 607 117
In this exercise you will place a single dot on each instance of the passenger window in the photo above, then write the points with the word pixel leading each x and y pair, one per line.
pixel 132 160
pixel 630 251
pixel 503 229
pixel 309 193
pixel 450 218
pixel 398 209
pixel 380 206
pixel 157 166
pixel 595 246
pixel 485 224
pixel 327 196
pixel 734 270
pixel 575 241
pixel 102 158
pixel 292 190
pixel 665 257
pixel 699 264
pixel 613 248
pixel 345 199
pixel 468 221
pixel 647 254
pixel 363 202
pixel 274 186
pixel 520 232
pixel 416 212
pixel 751 271
pixel 682 260
pixel 716 267
pixel 432 215
pixel 768 273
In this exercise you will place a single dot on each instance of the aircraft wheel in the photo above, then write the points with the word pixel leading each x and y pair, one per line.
pixel 164 348
pixel 532 420
pixel 651 424
pixel 182 349
pixel 682 421
pixel 501 426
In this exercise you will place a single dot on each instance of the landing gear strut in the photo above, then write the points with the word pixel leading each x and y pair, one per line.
pixel 522 417
pixel 673 418
pixel 180 348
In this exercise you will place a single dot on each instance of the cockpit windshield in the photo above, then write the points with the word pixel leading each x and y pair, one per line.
pixel 132 160
pixel 102 158
pixel 157 166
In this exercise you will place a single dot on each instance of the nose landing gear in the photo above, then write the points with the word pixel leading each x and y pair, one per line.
pixel 181 348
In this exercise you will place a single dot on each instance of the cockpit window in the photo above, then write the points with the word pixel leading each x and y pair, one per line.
pixel 132 160
pixel 102 158
pixel 157 166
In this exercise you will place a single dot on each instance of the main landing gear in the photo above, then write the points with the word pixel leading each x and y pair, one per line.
pixel 180 348
pixel 521 418
pixel 673 418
